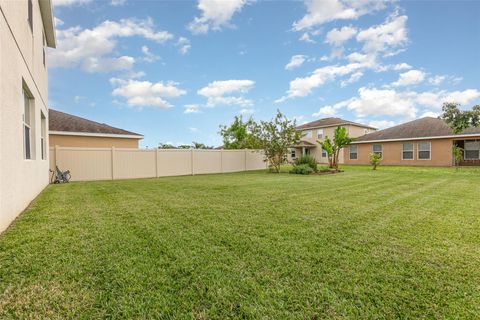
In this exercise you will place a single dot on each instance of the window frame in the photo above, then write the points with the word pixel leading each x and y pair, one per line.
pixel 43 136
pixel 308 134
pixel 465 150
pixel 27 124
pixel 412 151
pixel 321 135
pixel 293 153
pixel 381 147
pixel 429 150
pixel 350 152
pixel 324 153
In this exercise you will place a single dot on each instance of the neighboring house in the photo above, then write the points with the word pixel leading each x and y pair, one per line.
pixel 66 130
pixel 26 29
pixel 317 131
pixel 423 142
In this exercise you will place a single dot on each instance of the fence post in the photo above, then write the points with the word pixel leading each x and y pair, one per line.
pixel 221 160
pixel 192 160
pixel 113 163
pixel 245 156
pixel 156 162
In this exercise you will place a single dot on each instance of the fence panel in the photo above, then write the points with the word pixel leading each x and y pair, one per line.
pixel 111 163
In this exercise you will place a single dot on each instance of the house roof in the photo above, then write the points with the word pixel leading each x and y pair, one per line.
pixel 306 144
pixel 427 127
pixel 330 122
pixel 48 23
pixel 67 123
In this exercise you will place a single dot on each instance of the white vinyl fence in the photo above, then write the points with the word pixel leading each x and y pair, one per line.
pixel 115 163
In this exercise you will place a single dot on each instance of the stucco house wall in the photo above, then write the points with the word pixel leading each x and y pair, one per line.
pixel 92 142
pixel 440 154
pixel 21 65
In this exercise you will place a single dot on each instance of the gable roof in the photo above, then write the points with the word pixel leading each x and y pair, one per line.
pixel 67 123
pixel 330 122
pixel 427 127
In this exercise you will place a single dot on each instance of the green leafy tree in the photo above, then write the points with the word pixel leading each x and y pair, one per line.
pixel 275 137
pixel 240 134
pixel 184 146
pixel 457 155
pixel 166 146
pixel 459 120
pixel 340 140
pixel 199 145
pixel 375 160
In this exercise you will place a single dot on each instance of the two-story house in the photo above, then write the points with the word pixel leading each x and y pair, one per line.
pixel 26 30
pixel 317 130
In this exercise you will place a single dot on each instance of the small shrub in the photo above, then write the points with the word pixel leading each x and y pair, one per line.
pixel 302 169
pixel 307 160
pixel 375 160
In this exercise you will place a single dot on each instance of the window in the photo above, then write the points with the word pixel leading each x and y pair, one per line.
pixel 423 151
pixel 353 152
pixel 43 48
pixel 307 151
pixel 293 154
pixel 365 131
pixel 43 134
pixel 324 153
pixel 320 134
pixel 407 151
pixel 378 149
pixel 308 134
pixel 472 150
pixel 30 14
pixel 28 121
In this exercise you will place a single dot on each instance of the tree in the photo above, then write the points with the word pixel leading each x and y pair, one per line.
pixel 166 146
pixel 459 120
pixel 240 134
pixel 340 140
pixel 198 145
pixel 184 146
pixel 375 158
pixel 457 155
pixel 275 137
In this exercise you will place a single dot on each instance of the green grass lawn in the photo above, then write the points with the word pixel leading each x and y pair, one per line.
pixel 395 243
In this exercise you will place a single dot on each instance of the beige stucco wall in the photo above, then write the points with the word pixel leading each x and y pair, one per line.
pixel 21 60
pixel 441 153
pixel 353 131
pixel 91 142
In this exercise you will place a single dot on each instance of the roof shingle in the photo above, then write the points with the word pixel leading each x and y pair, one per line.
pixel 329 122
pixel 60 121
pixel 420 128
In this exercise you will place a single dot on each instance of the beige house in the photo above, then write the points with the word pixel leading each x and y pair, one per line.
pixel 66 130
pixel 422 142
pixel 26 30
pixel 315 131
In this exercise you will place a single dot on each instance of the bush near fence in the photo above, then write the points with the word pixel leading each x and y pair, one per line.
pixel 114 163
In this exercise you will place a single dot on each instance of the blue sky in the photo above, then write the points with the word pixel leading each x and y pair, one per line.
pixel 176 70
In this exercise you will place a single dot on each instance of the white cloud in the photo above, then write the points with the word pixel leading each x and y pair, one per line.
pixel 183 45
pixel 192 129
pixel 245 111
pixel 305 37
pixel 336 37
pixel 386 36
pixel 381 124
pixel 402 66
pixel 436 80
pixel 430 114
pixel 58 21
pixel 325 112
pixel 215 15
pixel 148 55
pixel 296 61
pixel 322 11
pixel 410 77
pixel 117 3
pixel 405 104
pixel 227 92
pixel 353 78
pixel 301 87
pixel 91 48
pixel 146 93
pixel 66 3
pixel 192 108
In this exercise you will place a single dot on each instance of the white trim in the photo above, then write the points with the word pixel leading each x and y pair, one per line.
pixel 413 151
pixel 420 138
pixel 429 151
pixel 89 134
